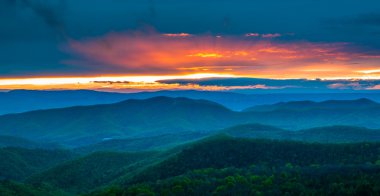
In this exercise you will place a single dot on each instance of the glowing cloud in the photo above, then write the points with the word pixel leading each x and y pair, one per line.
pixel 137 53
pixel 112 83
pixel 207 55
pixel 177 34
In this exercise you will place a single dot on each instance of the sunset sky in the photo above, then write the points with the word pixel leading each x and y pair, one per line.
pixel 146 44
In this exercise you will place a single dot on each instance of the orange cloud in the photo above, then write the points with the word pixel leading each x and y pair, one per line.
pixel 177 34
pixel 136 53
pixel 207 55
pixel 124 84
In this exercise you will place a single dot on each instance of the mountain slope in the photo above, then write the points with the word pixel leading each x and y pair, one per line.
pixel 337 134
pixel 10 188
pixel 329 134
pixel 102 169
pixel 306 114
pixel 91 171
pixel 19 163
pixel 222 152
pixel 10 141
pixel 131 118
pixel 254 131
pixel 145 143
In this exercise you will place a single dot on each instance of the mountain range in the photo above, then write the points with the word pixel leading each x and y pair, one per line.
pixel 131 118
pixel 17 101
pixel 83 125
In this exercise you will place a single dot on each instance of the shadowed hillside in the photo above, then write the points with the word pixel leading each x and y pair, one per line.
pixel 90 172
pixel 19 163
pixel 219 156
pixel 223 151
pixel 145 143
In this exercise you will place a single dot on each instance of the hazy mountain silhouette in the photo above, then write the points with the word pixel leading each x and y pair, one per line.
pixel 17 101
pixel 84 125
pixel 307 105
pixel 131 118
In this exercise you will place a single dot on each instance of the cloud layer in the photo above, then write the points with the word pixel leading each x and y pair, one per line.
pixel 253 55
pixel 33 32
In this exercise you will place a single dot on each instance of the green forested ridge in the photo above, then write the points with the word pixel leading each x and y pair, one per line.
pixel 337 134
pixel 222 151
pixel 19 163
pixel 221 165
pixel 255 131
pixel 91 171
pixel 332 134
pixel 143 143
pixel 98 170
pixel 288 180
pixel 10 188
pixel 226 166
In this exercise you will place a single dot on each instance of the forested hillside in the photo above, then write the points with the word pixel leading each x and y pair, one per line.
pixel 20 163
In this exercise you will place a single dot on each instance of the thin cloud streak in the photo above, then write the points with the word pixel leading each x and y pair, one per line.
pixel 125 84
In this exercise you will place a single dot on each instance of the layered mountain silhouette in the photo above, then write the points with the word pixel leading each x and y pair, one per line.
pixel 75 126
pixel 131 118
pixel 308 105
pixel 17 101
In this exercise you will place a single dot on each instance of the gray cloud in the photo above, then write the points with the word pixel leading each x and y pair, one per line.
pixel 290 85
pixel 29 28
pixel 50 12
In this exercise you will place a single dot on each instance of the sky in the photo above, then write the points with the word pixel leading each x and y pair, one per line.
pixel 138 45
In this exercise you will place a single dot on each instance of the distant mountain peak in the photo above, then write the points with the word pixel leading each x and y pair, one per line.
pixel 173 100
pixel 307 105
